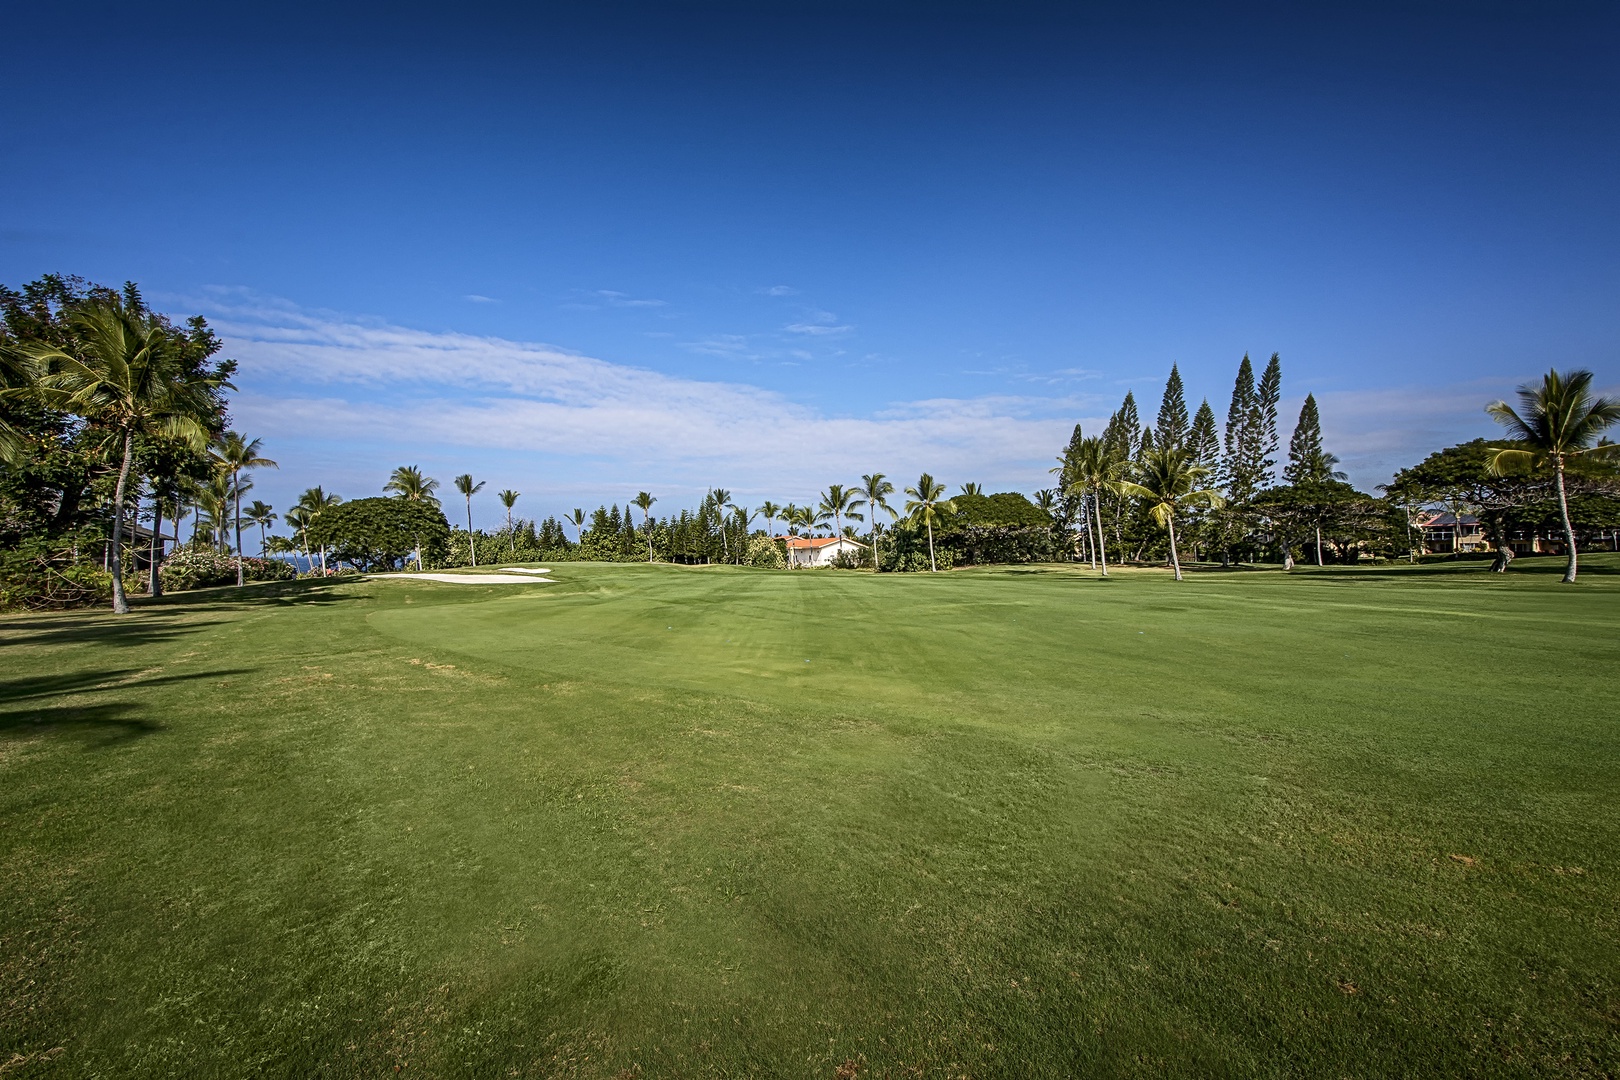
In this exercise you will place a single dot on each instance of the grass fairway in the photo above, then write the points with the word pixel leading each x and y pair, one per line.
pixel 666 821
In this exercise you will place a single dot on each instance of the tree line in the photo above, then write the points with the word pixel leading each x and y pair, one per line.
pixel 112 414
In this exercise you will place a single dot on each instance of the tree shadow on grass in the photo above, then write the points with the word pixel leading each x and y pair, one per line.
pixel 256 594
pixel 32 687
pixel 107 724
pixel 1538 567
pixel 98 628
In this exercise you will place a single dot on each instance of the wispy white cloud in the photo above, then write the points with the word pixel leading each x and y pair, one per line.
pixel 384 389
pixel 477 298
pixel 780 290
pixel 594 299
pixel 816 329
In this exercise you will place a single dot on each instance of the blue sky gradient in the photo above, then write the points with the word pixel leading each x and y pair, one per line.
pixel 773 246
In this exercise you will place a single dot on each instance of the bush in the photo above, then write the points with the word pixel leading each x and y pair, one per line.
pixel 34 577
pixel 766 554
pixel 201 568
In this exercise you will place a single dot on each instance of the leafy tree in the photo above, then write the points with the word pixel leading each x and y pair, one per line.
pixel 465 485
pixel 380 533
pixel 1169 480
pixel 1170 428
pixel 124 372
pixel 263 515
pixel 1559 422
pixel 509 499
pixel 927 501
pixel 237 454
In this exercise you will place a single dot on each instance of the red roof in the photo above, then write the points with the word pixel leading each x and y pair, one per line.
pixel 795 543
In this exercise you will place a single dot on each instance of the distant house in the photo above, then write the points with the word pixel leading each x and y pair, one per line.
pixel 1445 533
pixel 811 551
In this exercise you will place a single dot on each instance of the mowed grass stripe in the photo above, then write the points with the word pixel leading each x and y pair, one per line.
pixel 1003 823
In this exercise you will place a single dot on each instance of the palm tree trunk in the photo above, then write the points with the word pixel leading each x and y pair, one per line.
pixel 1563 514
pixel 116 567
pixel 1319 545
pixel 155 587
pixel 1175 560
pixel 1102 548
pixel 472 548
pixel 933 567
pixel 237 499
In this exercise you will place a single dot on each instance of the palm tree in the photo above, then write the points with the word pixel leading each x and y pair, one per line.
pixel 465 485
pixel 1089 469
pixel 1170 478
pixel 722 502
pixel 790 519
pixel 126 376
pixel 310 505
pixel 837 500
pixel 509 499
pixel 1561 420
pixel 407 482
pixel 236 453
pixel 927 502
pixel 577 520
pixel 262 514
pixel 770 512
pixel 874 492
pixel 971 489
pixel 644 502
pixel 298 519
pixel 216 500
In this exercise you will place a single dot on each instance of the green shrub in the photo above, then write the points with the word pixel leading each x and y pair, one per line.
pixel 36 577
pixel 766 554
pixel 200 568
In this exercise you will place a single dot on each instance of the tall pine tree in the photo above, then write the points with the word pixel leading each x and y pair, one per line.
pixel 1308 462
pixel 1202 441
pixel 1267 396
pixel 1170 429
pixel 1242 417
pixel 1120 436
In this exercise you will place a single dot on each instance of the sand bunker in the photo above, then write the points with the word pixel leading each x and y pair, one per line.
pixel 524 570
pixel 521 578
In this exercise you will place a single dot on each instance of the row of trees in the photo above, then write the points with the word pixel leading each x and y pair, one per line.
pixel 109 410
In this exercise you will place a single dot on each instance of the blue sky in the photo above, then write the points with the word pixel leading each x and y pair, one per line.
pixel 772 246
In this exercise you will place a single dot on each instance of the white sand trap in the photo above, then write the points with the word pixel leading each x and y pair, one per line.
pixel 471 579
pixel 524 570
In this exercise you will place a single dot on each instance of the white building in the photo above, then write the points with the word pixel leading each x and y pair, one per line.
pixel 810 551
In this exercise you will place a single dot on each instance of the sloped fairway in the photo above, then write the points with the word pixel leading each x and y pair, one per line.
pixel 665 821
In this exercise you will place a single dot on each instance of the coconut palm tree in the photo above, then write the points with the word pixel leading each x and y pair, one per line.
pixel 1169 481
pixel 262 514
pixel 927 502
pixel 722 502
pixel 577 520
pixel 790 519
pixel 644 502
pixel 1560 420
pixel 126 375
pixel 237 454
pixel 971 489
pixel 1091 468
pixel 874 492
pixel 509 499
pixel 837 500
pixel 407 482
pixel 465 485
pixel 217 499
pixel 770 512
pixel 310 505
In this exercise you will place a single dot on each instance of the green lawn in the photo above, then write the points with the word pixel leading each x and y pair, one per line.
pixel 674 821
